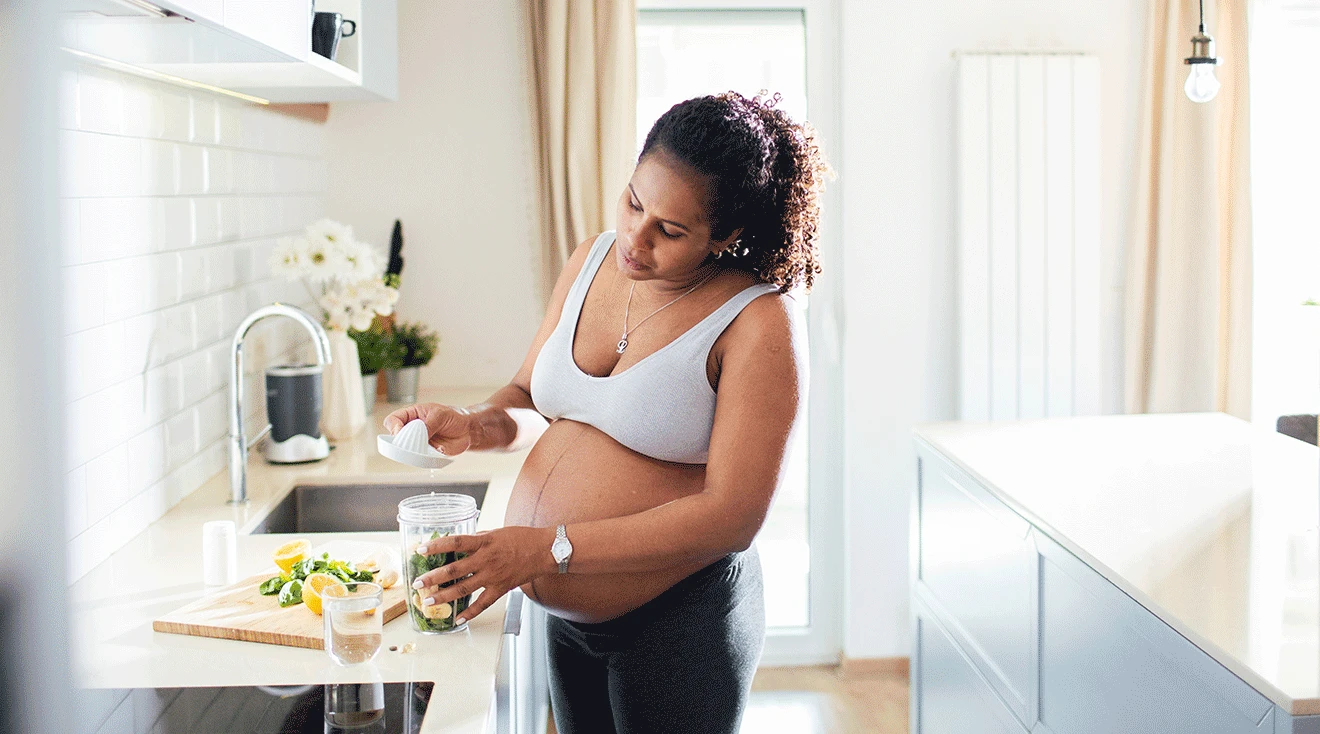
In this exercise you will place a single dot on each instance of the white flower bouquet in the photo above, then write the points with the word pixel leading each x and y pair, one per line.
pixel 345 277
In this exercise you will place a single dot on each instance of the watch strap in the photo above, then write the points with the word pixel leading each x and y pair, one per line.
pixel 561 534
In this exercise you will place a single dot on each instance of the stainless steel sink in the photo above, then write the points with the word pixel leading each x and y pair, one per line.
pixel 351 508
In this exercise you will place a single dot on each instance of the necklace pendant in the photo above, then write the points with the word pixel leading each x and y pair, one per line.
pixel 623 344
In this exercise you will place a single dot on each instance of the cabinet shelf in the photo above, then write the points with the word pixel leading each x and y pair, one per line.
pixel 262 49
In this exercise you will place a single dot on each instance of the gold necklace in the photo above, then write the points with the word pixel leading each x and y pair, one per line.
pixel 623 340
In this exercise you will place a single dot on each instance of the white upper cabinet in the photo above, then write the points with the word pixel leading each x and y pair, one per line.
pixel 284 25
pixel 212 10
pixel 258 47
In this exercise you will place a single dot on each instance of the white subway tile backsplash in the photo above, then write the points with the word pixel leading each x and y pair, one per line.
pixel 84 297
pixel 166 285
pixel 159 168
pixel 180 438
pixel 204 115
pixel 212 418
pixel 147 457
pixel 111 228
pixel 195 384
pixel 219 269
pixel 92 358
pixel 192 275
pixel 229 126
pixel 144 111
pixel 176 108
pixel 191 170
pixel 220 171
pixel 107 483
pixel 100 102
pixel 228 219
pixel 210 320
pixel 172 202
pixel 206 217
pixel 131 288
pixel 217 362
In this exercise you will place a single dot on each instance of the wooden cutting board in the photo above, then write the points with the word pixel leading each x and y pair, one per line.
pixel 240 612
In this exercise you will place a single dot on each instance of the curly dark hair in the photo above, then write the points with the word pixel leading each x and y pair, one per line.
pixel 764 173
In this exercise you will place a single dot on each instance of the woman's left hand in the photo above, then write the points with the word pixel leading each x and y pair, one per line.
pixel 496 561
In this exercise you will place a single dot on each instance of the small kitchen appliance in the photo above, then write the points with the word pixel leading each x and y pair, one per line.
pixel 293 405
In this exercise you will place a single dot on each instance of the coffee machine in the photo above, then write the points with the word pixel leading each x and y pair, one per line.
pixel 293 405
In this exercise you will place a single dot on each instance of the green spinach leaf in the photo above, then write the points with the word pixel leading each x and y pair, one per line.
pixel 291 593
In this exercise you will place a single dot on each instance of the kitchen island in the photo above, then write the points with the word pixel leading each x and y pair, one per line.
pixel 1152 573
pixel 160 570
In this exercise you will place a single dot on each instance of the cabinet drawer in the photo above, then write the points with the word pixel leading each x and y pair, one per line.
pixel 951 695
pixel 977 562
pixel 1110 665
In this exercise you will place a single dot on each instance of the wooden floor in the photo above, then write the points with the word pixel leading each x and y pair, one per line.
pixel 821 700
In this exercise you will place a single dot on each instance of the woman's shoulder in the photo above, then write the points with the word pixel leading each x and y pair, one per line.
pixel 771 312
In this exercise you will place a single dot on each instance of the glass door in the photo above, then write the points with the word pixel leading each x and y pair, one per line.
pixel 687 52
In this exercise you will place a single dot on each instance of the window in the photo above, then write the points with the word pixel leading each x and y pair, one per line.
pixel 1285 154
pixel 687 53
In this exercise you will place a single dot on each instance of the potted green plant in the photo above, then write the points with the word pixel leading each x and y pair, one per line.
pixel 416 345
pixel 377 350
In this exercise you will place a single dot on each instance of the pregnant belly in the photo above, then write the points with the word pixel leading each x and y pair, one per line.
pixel 577 473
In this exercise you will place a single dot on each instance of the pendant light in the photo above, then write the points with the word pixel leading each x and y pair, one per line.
pixel 1202 86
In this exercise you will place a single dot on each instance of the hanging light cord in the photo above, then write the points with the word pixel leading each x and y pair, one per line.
pixel 1202 25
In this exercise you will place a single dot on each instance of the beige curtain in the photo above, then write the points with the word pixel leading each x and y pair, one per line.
pixel 584 58
pixel 1188 330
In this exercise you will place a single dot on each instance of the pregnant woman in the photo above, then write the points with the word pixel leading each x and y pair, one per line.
pixel 672 368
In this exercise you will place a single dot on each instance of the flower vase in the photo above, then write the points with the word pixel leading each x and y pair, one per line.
pixel 345 413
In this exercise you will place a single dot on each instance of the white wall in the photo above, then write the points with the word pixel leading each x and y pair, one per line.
pixel 454 160
pixel 897 178
pixel 171 202
pixel 34 612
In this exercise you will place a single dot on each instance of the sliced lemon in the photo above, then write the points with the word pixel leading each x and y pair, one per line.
pixel 312 588
pixel 293 552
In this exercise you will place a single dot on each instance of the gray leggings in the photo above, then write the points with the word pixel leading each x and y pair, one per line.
pixel 682 662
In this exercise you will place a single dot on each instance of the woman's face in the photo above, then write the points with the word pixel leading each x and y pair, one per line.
pixel 663 232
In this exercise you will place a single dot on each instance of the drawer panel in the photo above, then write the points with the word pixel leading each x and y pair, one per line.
pixel 978 563
pixel 951 695
pixel 1109 665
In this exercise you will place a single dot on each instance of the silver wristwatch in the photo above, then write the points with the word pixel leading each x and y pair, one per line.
pixel 561 549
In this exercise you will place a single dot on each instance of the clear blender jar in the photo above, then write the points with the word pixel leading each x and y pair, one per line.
pixel 421 519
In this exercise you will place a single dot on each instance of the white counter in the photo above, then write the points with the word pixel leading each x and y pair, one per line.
pixel 1203 519
pixel 161 570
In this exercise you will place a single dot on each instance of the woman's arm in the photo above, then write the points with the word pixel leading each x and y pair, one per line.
pixel 507 420
pixel 762 389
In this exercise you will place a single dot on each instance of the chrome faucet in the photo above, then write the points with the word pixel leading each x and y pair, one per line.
pixel 238 446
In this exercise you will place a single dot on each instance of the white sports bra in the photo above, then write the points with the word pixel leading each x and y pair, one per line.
pixel 663 406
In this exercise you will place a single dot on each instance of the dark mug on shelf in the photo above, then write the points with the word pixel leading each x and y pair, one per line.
pixel 327 29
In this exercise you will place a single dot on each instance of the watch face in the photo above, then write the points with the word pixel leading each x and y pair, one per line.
pixel 561 549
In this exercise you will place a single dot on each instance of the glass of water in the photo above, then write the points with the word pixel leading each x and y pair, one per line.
pixel 352 614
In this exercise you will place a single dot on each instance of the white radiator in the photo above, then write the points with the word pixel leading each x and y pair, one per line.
pixel 1029 245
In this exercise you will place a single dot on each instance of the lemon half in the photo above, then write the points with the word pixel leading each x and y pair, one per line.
pixel 312 588
pixel 293 552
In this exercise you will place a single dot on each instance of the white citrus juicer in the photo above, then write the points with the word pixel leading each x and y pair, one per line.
pixel 412 446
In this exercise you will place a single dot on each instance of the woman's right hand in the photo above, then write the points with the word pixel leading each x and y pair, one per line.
pixel 450 428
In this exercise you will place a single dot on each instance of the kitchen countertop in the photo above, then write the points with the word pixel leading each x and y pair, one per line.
pixel 1204 519
pixel 161 569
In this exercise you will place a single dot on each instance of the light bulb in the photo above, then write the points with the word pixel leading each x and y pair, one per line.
pixel 1201 86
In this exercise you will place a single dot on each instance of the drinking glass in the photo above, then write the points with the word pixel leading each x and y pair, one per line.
pixel 352 614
